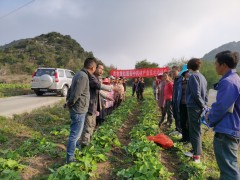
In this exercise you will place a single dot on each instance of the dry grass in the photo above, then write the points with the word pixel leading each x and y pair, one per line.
pixel 16 78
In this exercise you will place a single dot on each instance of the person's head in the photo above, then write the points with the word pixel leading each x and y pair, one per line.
pixel 185 74
pixel 106 81
pixel 90 64
pixel 120 80
pixel 167 76
pixel 99 69
pixel 175 73
pixel 225 61
pixel 194 64
pixel 175 68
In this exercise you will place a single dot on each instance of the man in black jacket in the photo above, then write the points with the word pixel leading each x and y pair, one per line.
pixel 94 104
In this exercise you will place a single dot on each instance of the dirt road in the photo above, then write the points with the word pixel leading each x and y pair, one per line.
pixel 20 104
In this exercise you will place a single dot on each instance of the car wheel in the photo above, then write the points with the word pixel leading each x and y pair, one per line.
pixel 64 91
pixel 39 93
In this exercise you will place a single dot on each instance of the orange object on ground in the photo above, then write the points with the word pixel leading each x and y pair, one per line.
pixel 162 140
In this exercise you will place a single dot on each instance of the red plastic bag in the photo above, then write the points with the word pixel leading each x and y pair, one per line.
pixel 162 140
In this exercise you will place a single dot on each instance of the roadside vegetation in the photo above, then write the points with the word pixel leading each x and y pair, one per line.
pixel 33 147
pixel 7 90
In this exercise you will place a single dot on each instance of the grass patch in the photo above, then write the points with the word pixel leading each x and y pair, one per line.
pixel 7 90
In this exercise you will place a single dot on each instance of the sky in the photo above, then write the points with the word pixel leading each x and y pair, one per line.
pixel 124 32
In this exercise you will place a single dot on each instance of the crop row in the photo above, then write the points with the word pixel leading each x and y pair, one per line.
pixel 146 154
pixel 102 142
pixel 14 89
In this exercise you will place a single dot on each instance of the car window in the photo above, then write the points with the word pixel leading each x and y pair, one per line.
pixel 69 74
pixel 61 73
pixel 72 73
pixel 41 72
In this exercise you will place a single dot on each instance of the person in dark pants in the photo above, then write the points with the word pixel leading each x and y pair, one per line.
pixel 141 86
pixel 168 91
pixel 182 104
pixel 224 116
pixel 77 101
pixel 176 114
pixel 95 104
pixel 134 85
pixel 196 99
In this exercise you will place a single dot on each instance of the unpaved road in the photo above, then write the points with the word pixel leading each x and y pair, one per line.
pixel 27 103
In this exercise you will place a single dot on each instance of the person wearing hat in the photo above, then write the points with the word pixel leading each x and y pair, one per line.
pixel 181 101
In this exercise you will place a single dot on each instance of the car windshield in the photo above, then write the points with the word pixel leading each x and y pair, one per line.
pixel 41 72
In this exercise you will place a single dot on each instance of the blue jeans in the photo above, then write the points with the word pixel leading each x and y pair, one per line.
pixel 76 128
pixel 226 153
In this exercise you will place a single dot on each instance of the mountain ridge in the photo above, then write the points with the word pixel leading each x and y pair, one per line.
pixel 232 46
pixel 52 50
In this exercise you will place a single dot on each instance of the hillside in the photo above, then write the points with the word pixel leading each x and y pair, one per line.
pixel 50 50
pixel 232 46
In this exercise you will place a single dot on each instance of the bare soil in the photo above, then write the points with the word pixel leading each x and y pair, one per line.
pixel 38 166
pixel 170 160
pixel 107 170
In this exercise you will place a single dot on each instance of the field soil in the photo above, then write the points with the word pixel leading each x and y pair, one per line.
pixel 107 170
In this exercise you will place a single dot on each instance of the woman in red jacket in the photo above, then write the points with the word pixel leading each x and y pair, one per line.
pixel 168 90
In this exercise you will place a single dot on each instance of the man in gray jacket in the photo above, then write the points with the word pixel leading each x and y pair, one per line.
pixel 94 104
pixel 78 98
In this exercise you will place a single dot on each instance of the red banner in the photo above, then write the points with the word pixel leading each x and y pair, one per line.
pixel 143 72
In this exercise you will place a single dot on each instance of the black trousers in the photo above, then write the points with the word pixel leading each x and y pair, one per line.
pixel 167 110
pixel 195 132
pixel 184 122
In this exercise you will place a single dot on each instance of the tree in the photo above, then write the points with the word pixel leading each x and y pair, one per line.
pixel 177 62
pixel 145 64
pixel 208 70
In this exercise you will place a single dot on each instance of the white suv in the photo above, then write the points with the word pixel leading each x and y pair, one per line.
pixel 51 80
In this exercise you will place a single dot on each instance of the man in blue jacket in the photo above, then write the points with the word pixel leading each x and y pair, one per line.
pixel 224 116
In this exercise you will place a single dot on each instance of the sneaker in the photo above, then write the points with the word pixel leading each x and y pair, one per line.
pixel 183 140
pixel 70 160
pixel 179 135
pixel 196 159
pixel 189 154
pixel 160 123
pixel 174 133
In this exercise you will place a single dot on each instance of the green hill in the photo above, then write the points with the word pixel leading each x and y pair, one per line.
pixel 49 50
pixel 232 46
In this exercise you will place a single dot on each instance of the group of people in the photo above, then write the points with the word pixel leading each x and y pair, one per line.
pixel 138 86
pixel 182 95
pixel 90 98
